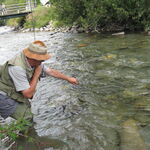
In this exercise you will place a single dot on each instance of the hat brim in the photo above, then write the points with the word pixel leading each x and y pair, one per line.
pixel 32 55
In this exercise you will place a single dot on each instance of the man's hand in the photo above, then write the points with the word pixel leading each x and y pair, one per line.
pixel 72 80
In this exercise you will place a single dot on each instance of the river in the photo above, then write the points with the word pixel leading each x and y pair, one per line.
pixel 114 87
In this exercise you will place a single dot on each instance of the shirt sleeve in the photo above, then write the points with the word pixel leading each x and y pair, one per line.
pixel 44 69
pixel 19 78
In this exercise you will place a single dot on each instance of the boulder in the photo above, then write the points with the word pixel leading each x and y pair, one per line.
pixel 130 136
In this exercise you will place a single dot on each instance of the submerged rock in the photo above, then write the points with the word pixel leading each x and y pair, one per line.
pixel 127 93
pixel 142 108
pixel 143 118
pixel 147 86
pixel 130 136
pixel 145 133
pixel 143 105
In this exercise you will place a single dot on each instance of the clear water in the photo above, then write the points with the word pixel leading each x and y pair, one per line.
pixel 114 86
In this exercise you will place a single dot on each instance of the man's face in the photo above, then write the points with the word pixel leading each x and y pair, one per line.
pixel 34 63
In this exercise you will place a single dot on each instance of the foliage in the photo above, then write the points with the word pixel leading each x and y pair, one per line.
pixel 93 14
pixel 2 22
pixel 16 1
pixel 13 130
pixel 6 2
pixel 40 17
pixel 15 22
pixel 68 11
pixel 2 1
pixel 132 14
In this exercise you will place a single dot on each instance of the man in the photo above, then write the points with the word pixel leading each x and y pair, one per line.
pixel 3 9
pixel 19 77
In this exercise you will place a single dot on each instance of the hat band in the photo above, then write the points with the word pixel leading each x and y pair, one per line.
pixel 37 49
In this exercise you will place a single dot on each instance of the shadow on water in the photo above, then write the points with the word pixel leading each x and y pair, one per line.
pixel 34 142
pixel 112 97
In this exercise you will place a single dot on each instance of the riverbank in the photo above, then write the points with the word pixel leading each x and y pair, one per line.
pixel 86 17
pixel 6 29
pixel 72 29
pixel 66 29
pixel 76 29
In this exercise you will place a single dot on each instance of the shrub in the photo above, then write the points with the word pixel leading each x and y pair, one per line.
pixel 15 22
pixel 92 14
pixel 40 17
pixel 13 130
pixel 131 14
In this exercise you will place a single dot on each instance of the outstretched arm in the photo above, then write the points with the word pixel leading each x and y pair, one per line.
pixel 60 75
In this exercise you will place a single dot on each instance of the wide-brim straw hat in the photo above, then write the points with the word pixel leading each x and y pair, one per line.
pixel 37 52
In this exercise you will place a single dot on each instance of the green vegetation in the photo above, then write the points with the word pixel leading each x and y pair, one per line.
pixel 15 129
pixel 15 1
pixel 107 15
pixel 40 17
pixel 15 22
pixel 2 22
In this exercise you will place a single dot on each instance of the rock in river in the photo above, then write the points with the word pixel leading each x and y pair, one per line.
pixel 130 136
